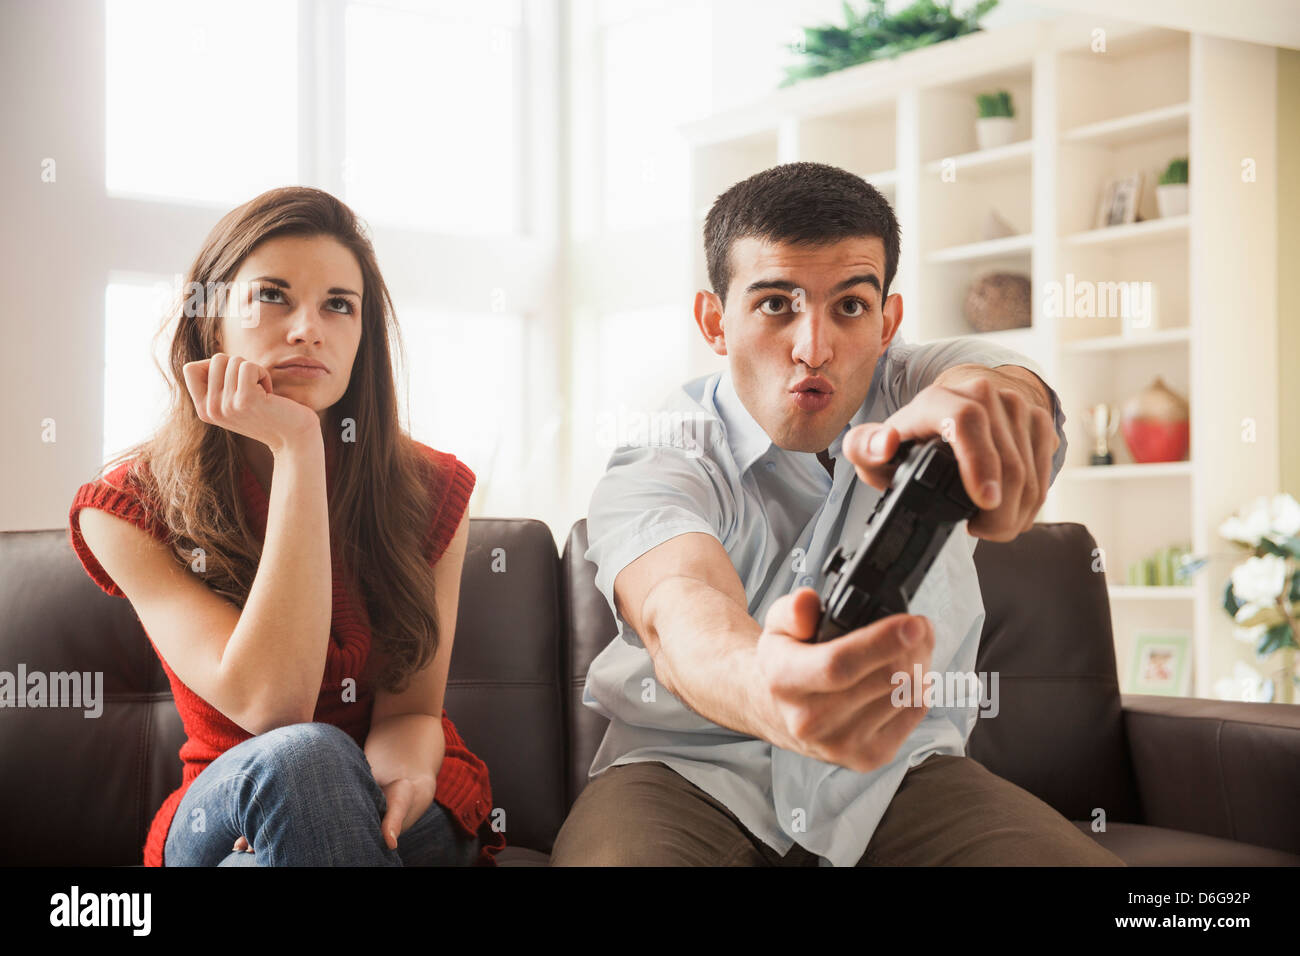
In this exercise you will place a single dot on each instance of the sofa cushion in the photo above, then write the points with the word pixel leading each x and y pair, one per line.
pixel 1139 845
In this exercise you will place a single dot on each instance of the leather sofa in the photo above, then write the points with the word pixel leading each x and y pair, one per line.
pixel 1181 781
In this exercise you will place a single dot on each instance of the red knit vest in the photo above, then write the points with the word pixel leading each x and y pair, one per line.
pixel 462 788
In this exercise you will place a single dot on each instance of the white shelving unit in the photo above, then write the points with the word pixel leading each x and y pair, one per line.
pixel 1083 116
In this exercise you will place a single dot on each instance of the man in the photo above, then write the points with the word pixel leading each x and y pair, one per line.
pixel 732 742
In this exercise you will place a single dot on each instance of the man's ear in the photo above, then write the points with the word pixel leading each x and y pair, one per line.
pixel 893 313
pixel 708 316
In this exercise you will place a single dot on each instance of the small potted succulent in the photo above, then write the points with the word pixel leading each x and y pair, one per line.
pixel 1171 193
pixel 996 124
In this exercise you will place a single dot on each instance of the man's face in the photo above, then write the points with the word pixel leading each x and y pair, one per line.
pixel 802 328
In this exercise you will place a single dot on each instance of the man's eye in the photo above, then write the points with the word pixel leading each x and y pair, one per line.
pixel 855 307
pixel 776 301
pixel 347 306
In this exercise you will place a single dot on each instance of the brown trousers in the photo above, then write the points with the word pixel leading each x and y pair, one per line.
pixel 948 811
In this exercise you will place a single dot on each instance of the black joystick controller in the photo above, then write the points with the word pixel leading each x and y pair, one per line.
pixel 910 524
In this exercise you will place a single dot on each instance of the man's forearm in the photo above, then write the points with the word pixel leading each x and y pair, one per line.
pixel 1008 376
pixel 704 651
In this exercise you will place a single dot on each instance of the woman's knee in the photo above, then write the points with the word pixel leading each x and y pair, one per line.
pixel 311 745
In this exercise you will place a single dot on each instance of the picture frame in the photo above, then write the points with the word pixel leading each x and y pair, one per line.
pixel 1161 663
pixel 1119 201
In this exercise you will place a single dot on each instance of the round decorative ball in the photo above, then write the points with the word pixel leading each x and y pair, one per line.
pixel 1155 424
pixel 998 301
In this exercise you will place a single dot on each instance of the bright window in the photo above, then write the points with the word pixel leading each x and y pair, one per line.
pixel 432 105
pixel 468 382
pixel 135 393
pixel 202 99
pixel 651 73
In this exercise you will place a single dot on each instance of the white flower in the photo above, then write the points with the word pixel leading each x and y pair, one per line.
pixel 1249 635
pixel 1244 684
pixel 1259 580
pixel 1252 527
pixel 1285 516
pixel 1277 519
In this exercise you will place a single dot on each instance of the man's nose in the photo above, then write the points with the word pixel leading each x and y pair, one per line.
pixel 812 345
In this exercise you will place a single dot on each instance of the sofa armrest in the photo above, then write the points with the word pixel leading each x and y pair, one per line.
pixel 1223 768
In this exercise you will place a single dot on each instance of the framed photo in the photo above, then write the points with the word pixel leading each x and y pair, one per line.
pixel 1161 663
pixel 1119 201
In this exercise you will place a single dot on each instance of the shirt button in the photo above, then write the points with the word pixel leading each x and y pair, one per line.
pixel 769 465
pixel 806 581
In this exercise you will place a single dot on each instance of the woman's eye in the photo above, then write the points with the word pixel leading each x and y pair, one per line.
pixel 346 305
pixel 777 302
pixel 268 290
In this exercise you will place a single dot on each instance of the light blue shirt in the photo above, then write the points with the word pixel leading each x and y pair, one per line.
pixel 704 464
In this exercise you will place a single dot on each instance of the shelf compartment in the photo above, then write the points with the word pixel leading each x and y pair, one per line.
pixel 989 162
pixel 1139 592
pixel 1163 469
pixel 1173 227
pixel 1149 124
pixel 988 249
pixel 1110 343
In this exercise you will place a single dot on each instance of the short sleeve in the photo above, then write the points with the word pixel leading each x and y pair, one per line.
pixel 910 368
pixel 119 496
pixel 451 482
pixel 649 494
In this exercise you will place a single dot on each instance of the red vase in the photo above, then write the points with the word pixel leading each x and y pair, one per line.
pixel 1155 424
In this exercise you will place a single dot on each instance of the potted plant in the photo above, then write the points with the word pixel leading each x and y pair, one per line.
pixel 874 33
pixel 1262 596
pixel 1171 193
pixel 996 124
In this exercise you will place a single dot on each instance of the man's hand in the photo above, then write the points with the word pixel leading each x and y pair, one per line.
pixel 1002 434
pixel 834 701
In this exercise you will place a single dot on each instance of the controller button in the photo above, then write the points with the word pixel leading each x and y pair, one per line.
pixel 851 604
pixel 929 472
pixel 834 562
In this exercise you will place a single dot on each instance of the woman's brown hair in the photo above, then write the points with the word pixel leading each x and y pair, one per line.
pixel 380 510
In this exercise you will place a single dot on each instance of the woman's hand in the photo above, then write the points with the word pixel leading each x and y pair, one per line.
pixel 236 394
pixel 408 799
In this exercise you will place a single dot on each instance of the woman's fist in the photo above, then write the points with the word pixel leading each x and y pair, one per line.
pixel 236 394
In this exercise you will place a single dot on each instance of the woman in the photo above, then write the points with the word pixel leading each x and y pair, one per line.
pixel 295 560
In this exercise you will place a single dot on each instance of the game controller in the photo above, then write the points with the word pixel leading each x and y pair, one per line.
pixel 910 524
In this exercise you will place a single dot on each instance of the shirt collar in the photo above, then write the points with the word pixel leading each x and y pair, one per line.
pixel 746 437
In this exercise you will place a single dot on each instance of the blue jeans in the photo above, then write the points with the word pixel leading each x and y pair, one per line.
pixel 303 795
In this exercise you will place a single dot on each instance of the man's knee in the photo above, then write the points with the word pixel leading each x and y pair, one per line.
pixel 952 810
pixel 645 814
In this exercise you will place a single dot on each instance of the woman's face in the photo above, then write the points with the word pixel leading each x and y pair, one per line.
pixel 297 297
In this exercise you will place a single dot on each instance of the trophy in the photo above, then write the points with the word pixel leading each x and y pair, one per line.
pixel 1102 424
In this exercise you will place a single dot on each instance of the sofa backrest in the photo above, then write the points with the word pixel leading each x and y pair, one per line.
pixel 78 791
pixel 1047 632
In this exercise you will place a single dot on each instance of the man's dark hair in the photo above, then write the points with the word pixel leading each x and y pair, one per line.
pixel 798 203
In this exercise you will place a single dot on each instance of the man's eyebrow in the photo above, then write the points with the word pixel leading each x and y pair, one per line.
pixel 868 278
pixel 785 285
pixel 283 284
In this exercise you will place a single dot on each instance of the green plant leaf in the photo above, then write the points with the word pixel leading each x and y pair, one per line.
pixel 1273 639
pixel 1230 602
pixel 873 33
